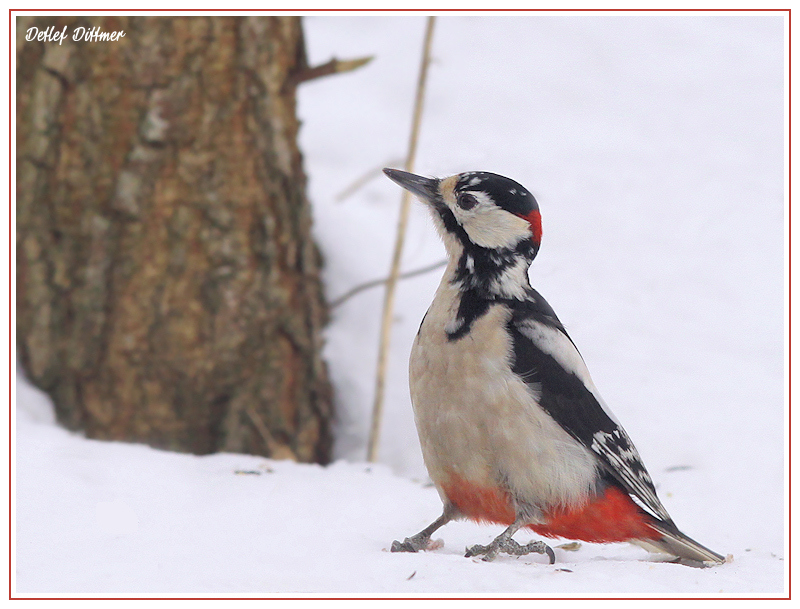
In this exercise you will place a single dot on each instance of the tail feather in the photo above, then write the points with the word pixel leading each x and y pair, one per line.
pixel 681 546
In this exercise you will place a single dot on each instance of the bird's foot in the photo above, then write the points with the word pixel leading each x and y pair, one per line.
pixel 416 543
pixel 509 546
pixel 422 540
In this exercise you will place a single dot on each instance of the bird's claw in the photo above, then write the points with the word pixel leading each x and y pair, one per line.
pixel 488 552
pixel 416 543
pixel 509 546
pixel 407 545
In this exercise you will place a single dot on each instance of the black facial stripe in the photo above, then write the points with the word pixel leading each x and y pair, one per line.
pixel 476 274
pixel 479 267
pixel 450 222
pixel 471 307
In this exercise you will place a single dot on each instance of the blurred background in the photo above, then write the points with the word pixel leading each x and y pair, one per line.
pixel 193 201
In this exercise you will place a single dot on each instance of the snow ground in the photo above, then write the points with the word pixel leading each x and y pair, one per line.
pixel 654 146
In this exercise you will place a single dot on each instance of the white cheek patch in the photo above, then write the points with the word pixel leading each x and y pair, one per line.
pixel 486 224
pixel 492 227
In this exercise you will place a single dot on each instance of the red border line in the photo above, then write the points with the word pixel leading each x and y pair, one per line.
pixel 421 11
pixel 407 10
pixel 790 302
pixel 10 346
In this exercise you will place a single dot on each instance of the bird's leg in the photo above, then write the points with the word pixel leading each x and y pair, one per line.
pixel 504 543
pixel 421 540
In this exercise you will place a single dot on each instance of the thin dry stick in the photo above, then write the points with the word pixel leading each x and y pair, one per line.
pixel 334 66
pixel 391 283
pixel 376 282
pixel 364 179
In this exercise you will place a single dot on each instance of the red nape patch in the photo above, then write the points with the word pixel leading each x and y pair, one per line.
pixel 612 516
pixel 535 220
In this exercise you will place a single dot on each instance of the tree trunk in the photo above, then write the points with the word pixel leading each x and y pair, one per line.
pixel 168 286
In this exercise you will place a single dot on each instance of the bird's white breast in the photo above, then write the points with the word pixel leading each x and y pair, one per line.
pixel 480 422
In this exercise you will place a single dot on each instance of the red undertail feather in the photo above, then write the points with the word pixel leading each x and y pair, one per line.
pixel 610 517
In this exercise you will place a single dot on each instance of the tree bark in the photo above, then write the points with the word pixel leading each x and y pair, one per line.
pixel 168 286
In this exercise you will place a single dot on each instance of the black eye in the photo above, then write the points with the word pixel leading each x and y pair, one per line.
pixel 467 201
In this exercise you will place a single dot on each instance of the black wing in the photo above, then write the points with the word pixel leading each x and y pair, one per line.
pixel 547 359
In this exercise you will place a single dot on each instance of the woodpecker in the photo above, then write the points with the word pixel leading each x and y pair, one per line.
pixel 513 430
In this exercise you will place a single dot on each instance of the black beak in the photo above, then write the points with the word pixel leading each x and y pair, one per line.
pixel 426 189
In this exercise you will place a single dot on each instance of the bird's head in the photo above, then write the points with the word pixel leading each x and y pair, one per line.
pixel 480 210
